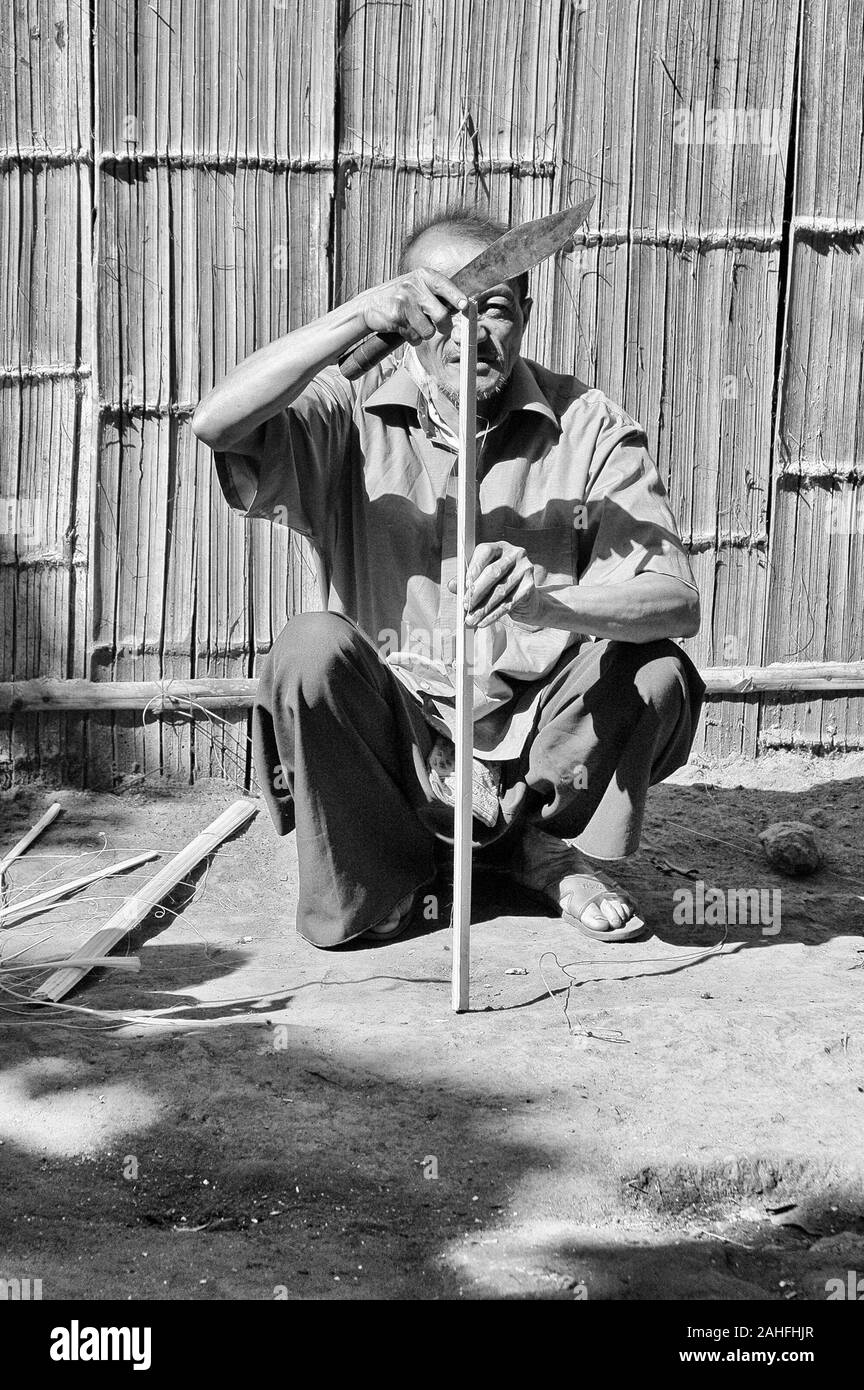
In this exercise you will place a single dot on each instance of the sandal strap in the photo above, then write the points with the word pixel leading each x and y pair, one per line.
pixel 602 890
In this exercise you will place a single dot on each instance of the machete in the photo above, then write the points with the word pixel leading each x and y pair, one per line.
pixel 512 254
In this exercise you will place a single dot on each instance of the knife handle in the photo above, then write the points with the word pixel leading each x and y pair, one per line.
pixel 374 349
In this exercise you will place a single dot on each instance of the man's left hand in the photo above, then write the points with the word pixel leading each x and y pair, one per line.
pixel 500 581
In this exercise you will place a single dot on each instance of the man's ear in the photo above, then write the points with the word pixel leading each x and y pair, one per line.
pixel 527 306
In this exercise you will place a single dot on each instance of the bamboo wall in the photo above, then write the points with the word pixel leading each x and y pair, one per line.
pixel 183 182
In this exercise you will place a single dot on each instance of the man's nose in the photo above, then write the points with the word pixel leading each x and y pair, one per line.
pixel 456 331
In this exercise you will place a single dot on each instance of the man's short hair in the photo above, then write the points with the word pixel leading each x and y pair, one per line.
pixel 467 224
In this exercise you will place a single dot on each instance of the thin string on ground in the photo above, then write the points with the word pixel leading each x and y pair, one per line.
pixel 65 859
pixel 678 958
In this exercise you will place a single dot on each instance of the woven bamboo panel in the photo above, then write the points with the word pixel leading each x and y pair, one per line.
pixel 682 115
pixel 216 179
pixel 465 113
pixel 46 90
pixel 819 529
pixel 46 307
pixel 470 82
pixel 817 524
pixel 241 81
pixel 42 562
pixel 183 182
pixel 46 293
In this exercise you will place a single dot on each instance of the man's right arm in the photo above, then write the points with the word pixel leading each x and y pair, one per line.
pixel 413 305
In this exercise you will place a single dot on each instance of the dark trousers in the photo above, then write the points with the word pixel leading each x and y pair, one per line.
pixel 340 751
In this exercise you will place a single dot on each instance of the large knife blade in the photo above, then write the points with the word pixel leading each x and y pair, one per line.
pixel 512 254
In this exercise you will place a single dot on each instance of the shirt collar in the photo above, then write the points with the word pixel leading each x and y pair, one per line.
pixel 522 392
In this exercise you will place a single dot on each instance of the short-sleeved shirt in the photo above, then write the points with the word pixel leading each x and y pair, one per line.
pixel 363 471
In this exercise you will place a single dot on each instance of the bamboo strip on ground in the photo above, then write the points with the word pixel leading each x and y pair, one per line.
pixel 138 907
pixel 130 964
pixel 19 912
pixel 33 833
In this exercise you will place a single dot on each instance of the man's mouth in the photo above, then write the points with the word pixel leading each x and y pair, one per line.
pixel 488 362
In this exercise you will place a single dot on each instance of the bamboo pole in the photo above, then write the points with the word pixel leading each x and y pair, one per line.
pixel 130 964
pixel 136 908
pixel 791 678
pixel 464 733
pixel 26 840
pixel 93 697
pixel 18 912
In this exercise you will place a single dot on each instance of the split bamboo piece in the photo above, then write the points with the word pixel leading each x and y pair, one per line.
pixel 19 912
pixel 141 904
pixel 464 732
pixel 131 964
pixel 26 840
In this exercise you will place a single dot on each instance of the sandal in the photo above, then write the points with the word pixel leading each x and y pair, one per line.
pixel 593 890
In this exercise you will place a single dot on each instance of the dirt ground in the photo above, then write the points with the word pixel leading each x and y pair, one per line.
pixel 258 1119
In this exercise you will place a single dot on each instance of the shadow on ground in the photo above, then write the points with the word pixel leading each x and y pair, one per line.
pixel 240 1166
pixel 320 1123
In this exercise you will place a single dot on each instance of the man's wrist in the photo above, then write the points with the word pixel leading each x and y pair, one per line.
pixel 533 611
pixel 546 610
pixel 347 326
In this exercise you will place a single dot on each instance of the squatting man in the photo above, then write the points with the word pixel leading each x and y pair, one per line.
pixel 577 585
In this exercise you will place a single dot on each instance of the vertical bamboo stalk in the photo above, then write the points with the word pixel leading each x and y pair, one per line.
pixel 465 533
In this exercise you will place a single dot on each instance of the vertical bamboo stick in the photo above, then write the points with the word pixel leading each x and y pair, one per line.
pixel 465 533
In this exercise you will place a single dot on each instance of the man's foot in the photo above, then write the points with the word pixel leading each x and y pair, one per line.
pixel 395 923
pixel 553 870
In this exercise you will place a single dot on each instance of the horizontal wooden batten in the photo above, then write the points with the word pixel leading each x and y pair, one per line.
pixel 93 696
pixel 790 678
pixel 225 693
pixel 43 371
pixel 818 470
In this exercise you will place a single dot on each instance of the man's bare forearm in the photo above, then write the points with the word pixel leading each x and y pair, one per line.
pixel 268 381
pixel 642 609
pixel 413 305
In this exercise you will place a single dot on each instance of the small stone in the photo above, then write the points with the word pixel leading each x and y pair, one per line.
pixel 792 847
pixel 516 970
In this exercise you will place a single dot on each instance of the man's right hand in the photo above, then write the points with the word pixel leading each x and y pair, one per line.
pixel 415 305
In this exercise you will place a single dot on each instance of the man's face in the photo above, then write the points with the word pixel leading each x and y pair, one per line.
pixel 501 322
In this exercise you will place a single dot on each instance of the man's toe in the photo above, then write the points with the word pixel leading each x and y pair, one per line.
pixel 615 910
pixel 611 910
pixel 595 918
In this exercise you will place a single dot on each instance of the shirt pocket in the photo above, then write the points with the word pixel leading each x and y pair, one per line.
pixel 551 549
